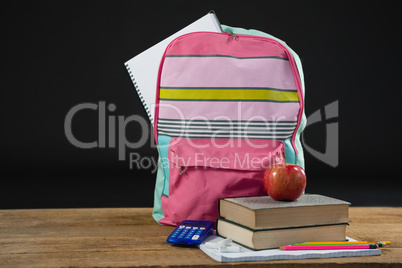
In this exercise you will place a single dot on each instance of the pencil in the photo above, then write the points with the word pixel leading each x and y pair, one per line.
pixel 341 242
pixel 380 244
pixel 330 247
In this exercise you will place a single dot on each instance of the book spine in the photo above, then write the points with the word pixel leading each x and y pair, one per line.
pixel 139 93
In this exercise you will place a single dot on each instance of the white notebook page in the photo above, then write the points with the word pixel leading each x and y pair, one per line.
pixel 246 254
pixel 143 68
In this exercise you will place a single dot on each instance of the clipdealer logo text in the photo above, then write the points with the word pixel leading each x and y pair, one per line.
pixel 112 128
pixel 107 137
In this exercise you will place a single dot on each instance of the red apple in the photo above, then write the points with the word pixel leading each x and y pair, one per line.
pixel 285 181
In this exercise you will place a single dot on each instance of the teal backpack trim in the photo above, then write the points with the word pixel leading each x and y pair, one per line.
pixel 163 147
pixel 289 152
pixel 162 177
pixel 157 212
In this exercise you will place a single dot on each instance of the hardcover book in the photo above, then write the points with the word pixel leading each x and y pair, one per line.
pixel 265 212
pixel 275 237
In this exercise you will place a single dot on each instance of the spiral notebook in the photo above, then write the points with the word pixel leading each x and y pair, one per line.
pixel 246 254
pixel 143 68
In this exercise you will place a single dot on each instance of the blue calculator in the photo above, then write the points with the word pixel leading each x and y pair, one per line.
pixel 191 232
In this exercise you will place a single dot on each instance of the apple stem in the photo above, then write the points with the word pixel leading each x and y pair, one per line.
pixel 284 158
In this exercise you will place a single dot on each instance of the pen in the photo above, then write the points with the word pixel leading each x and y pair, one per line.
pixel 330 247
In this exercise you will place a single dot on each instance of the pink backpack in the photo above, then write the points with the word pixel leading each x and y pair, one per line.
pixel 227 106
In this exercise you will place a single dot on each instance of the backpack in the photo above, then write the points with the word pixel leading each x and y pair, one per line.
pixel 228 105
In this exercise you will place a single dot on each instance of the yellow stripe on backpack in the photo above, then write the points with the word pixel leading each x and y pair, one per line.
pixel 228 94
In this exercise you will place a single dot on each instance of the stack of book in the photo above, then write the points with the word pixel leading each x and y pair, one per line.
pixel 263 223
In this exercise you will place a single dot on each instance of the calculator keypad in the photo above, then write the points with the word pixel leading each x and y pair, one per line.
pixel 186 233
pixel 191 232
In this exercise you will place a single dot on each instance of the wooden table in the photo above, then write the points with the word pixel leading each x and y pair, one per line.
pixel 130 237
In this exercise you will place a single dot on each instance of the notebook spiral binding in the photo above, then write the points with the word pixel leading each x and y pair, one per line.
pixel 139 93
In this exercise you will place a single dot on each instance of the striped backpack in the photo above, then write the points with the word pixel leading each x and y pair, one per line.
pixel 228 105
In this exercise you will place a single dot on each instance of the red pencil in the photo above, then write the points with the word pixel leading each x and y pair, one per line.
pixel 329 247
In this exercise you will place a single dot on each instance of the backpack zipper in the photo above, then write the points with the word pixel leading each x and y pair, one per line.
pixel 235 37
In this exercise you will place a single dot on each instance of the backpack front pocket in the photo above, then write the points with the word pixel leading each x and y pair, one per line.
pixel 203 170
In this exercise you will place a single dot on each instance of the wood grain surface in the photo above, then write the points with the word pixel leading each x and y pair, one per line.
pixel 129 237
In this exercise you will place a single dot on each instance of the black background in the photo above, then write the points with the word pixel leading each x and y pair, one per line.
pixel 60 54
